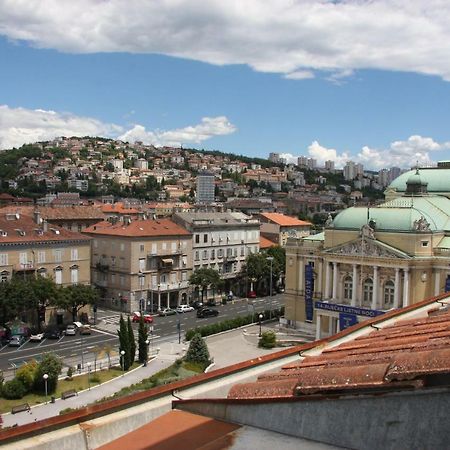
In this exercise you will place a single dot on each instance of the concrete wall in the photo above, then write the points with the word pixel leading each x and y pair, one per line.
pixel 410 420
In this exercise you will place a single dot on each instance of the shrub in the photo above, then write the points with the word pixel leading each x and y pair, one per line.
pixel 198 351
pixel 13 389
pixel 27 374
pixel 268 340
pixel 70 372
pixel 95 378
pixel 50 365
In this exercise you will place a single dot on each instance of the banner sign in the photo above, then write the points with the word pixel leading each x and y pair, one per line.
pixel 347 320
pixel 447 284
pixel 348 309
pixel 309 286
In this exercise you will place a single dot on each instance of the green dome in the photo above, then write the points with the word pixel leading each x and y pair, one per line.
pixel 437 178
pixel 400 214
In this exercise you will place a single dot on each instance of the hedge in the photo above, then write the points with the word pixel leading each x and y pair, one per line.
pixel 230 324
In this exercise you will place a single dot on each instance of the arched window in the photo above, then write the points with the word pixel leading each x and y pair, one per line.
pixel 367 292
pixel 389 294
pixel 42 271
pixel 348 288
pixel 58 274
pixel 4 276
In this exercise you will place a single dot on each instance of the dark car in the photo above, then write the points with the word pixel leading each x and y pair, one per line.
pixel 53 333
pixel 197 304
pixel 207 312
pixel 16 340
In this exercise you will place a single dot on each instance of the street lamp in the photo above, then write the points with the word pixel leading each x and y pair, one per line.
pixel 89 375
pixel 45 377
pixel 270 258
pixel 122 362
pixel 260 317
pixel 146 356
pixel 151 338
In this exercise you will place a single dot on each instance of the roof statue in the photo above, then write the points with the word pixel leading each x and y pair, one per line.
pixel 367 231
pixel 421 224
pixel 329 220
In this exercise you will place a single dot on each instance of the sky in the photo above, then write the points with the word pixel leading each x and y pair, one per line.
pixel 361 80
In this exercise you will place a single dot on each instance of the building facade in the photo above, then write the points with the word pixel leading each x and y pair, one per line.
pixel 141 264
pixel 205 188
pixel 221 241
pixel 369 260
pixel 278 227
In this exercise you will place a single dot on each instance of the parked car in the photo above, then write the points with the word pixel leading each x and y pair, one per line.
pixel 137 317
pixel 36 337
pixel 52 333
pixel 251 294
pixel 16 341
pixel 71 330
pixel 184 308
pixel 197 304
pixel 207 312
pixel 85 329
pixel 166 312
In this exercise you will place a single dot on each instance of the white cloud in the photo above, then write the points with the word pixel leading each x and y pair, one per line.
pixel 300 75
pixel 21 126
pixel 282 36
pixel 208 128
pixel 322 154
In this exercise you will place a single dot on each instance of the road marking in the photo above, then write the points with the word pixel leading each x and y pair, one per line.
pixel 40 343
pixel 105 332
pixel 26 342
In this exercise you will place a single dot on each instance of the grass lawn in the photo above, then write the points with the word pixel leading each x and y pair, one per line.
pixel 78 383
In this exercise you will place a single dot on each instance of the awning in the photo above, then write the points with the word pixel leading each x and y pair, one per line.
pixel 167 260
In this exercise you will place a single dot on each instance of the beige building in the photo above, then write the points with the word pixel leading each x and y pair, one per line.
pixel 369 260
pixel 141 264
pixel 278 227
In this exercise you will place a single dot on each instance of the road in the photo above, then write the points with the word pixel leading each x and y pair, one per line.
pixel 82 349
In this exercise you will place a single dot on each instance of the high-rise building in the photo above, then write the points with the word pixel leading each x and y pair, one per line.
pixel 205 187
pixel 329 165
pixel 352 170
pixel 274 157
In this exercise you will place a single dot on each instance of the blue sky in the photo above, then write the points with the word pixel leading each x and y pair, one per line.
pixel 237 81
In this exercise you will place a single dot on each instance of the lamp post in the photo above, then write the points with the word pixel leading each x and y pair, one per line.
pixel 81 347
pixel 146 357
pixel 45 377
pixel 151 338
pixel 270 258
pixel 260 317
pixel 122 362
pixel 89 375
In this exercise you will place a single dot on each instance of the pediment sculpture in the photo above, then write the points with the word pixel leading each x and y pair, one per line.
pixel 364 247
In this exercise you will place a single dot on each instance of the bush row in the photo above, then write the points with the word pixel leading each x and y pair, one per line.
pixel 214 328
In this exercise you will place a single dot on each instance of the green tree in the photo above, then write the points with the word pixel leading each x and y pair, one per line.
pixel 279 261
pixel 51 365
pixel 198 351
pixel 206 277
pixel 26 374
pixel 142 338
pixel 124 344
pixel 131 341
pixel 74 297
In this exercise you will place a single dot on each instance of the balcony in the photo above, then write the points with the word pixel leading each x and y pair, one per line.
pixel 23 267
pixel 164 287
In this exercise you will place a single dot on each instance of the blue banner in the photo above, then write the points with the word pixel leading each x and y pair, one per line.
pixel 447 284
pixel 309 287
pixel 348 309
pixel 347 320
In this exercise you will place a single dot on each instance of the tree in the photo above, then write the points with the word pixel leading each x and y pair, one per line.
pixel 198 351
pixel 142 338
pixel 131 341
pixel 279 261
pixel 51 365
pixel 206 277
pixel 26 374
pixel 74 297
pixel 124 344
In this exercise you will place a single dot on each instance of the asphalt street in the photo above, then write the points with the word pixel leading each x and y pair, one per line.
pixel 82 349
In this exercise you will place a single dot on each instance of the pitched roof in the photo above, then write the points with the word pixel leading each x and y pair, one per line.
pixel 400 355
pixel 138 228
pixel 71 212
pixel 283 220
pixel 265 243
pixel 118 208
pixel 23 229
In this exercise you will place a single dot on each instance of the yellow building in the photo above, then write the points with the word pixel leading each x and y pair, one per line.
pixel 141 264
pixel 369 260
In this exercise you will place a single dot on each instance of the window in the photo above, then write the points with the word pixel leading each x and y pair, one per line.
pixel 348 288
pixel 197 255
pixel 58 275
pixel 205 254
pixel 213 254
pixel 424 243
pixel 74 254
pixel 141 280
pixel 229 252
pixel 197 239
pixel 368 292
pixel 183 276
pixel 220 253
pixel 4 276
pixel 173 277
pixel 184 261
pixel 113 261
pixel 74 274
pixel 23 259
pixel 57 255
pixel 122 247
pixel 174 247
pixel 141 248
pixel 3 259
pixel 389 290
pixel 113 278
pixel 95 243
pixel 141 264
pixel 205 238
pixel 42 271
pixel 41 257
pixel 122 280
pixel 164 245
pixel 242 251
pixel 154 249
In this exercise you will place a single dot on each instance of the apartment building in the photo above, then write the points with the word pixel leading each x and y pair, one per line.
pixel 141 264
pixel 221 241
pixel 278 227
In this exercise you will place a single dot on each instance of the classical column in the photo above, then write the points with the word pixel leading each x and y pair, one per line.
pixel 301 276
pixel 437 282
pixel 318 285
pixel 335 280
pixel 327 280
pixel 375 288
pixel 318 326
pixel 354 284
pixel 168 299
pixel 406 287
pixel 397 288
pixel 159 300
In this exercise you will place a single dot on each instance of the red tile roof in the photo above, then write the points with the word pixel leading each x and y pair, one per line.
pixel 283 220
pixel 265 243
pixel 396 356
pixel 118 208
pixel 138 228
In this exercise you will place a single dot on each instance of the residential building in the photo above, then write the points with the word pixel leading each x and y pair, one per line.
pixel 369 260
pixel 306 163
pixel 221 241
pixel 352 170
pixel 329 166
pixel 205 188
pixel 278 227
pixel 75 183
pixel 141 264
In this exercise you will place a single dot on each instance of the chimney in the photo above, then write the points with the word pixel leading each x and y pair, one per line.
pixel 126 220
pixel 44 225
pixel 37 216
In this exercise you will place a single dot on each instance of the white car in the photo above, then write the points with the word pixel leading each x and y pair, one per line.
pixel 71 330
pixel 184 308
pixel 36 337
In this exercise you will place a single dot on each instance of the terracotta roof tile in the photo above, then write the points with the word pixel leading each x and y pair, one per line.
pixel 284 220
pixel 273 388
pixel 265 243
